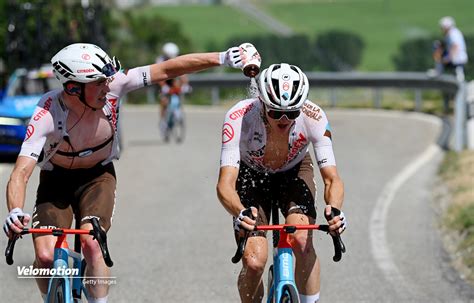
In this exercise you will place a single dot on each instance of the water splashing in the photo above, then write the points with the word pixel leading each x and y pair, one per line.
pixel 252 89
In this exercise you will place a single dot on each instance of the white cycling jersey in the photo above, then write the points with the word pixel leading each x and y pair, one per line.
pixel 244 136
pixel 47 127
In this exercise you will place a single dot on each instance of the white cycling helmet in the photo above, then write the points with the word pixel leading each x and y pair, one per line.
pixel 170 50
pixel 83 63
pixel 446 22
pixel 283 87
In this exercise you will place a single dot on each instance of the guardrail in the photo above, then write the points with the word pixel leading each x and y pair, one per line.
pixel 377 80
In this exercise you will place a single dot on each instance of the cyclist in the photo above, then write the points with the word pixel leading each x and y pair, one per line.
pixel 169 51
pixel 73 136
pixel 265 159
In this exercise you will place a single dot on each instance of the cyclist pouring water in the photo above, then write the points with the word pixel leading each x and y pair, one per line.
pixel 265 159
pixel 73 137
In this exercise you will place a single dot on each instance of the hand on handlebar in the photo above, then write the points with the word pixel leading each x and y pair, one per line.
pixel 337 222
pixel 15 222
pixel 246 220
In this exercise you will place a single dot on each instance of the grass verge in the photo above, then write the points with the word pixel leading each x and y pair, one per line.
pixel 457 172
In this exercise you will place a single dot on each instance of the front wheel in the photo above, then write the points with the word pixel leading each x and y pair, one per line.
pixel 289 295
pixel 57 293
pixel 179 127
pixel 270 285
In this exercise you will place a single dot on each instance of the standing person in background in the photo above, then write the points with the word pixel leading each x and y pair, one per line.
pixel 450 54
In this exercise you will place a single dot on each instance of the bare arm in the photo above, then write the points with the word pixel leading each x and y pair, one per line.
pixel 333 195
pixel 181 65
pixel 16 187
pixel 226 191
pixel 333 187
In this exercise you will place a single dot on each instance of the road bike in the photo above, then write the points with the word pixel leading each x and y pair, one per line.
pixel 281 279
pixel 67 283
pixel 174 123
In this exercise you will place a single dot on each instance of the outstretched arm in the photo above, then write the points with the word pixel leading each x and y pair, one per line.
pixel 183 65
pixel 190 63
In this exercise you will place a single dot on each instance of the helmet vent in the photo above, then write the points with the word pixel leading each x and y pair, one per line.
pixel 62 69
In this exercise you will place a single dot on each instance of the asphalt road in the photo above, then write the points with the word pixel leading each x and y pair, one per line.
pixel 171 241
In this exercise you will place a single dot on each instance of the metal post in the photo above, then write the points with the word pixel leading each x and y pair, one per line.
pixel 460 118
pixel 215 95
pixel 418 100
pixel 377 98
pixel 333 97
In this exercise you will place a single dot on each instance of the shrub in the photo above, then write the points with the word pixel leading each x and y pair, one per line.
pixel 338 50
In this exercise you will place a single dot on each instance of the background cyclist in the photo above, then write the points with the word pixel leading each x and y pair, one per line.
pixel 179 85
pixel 264 158
pixel 73 137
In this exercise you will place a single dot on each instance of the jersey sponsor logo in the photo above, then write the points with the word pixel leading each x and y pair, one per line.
pixel 241 112
pixel 29 131
pixel 145 79
pixel 34 155
pixel 88 70
pixel 258 137
pixel 113 112
pixel 297 145
pixel 312 112
pixel 44 111
pixel 327 133
pixel 227 133
pixel 322 161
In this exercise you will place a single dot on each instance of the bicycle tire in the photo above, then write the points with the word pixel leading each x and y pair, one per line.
pixel 179 130
pixel 57 291
pixel 270 284
pixel 289 295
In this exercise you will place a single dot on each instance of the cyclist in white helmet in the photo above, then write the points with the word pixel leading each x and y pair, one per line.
pixel 169 51
pixel 265 159
pixel 73 137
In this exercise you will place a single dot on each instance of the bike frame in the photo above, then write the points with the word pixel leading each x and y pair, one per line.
pixel 62 253
pixel 73 286
pixel 283 271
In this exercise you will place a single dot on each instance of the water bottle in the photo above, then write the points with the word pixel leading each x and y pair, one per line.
pixel 251 67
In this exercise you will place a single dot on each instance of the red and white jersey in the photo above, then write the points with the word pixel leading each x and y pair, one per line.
pixel 47 127
pixel 244 136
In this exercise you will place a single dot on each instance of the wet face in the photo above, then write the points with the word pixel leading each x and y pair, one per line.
pixel 96 92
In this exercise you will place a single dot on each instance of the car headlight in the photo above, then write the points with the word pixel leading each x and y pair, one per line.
pixel 11 121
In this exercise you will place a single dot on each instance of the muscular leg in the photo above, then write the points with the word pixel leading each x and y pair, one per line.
pixel 250 282
pixel 307 271
pixel 44 255
pixel 95 265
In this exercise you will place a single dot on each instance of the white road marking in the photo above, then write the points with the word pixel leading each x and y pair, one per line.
pixel 377 225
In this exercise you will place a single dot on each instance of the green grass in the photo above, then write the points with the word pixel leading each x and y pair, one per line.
pixel 457 172
pixel 383 24
pixel 209 25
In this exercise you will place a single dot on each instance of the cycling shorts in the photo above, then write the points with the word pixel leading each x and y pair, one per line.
pixel 294 190
pixel 64 194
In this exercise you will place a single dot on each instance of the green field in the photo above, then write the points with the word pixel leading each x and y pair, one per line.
pixel 383 24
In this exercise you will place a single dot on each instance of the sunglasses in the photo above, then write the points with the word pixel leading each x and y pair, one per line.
pixel 277 115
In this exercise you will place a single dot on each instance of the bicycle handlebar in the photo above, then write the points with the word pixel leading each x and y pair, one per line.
pixel 339 246
pixel 97 233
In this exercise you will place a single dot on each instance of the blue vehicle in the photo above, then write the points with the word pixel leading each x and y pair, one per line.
pixel 23 91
